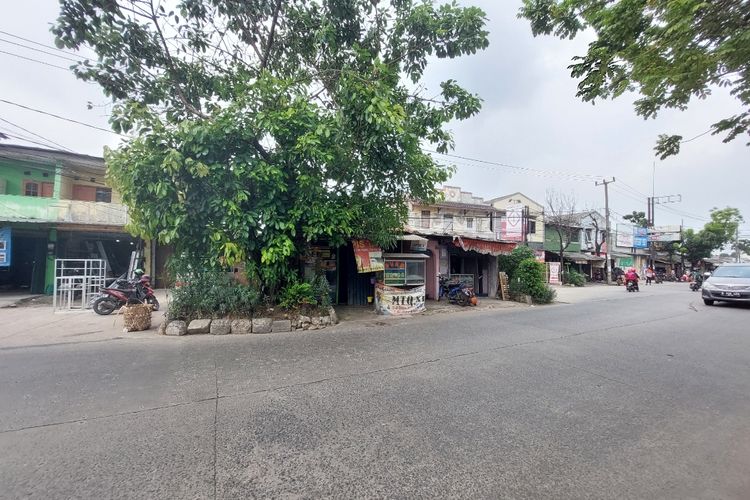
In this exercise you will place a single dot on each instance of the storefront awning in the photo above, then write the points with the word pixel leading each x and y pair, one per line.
pixel 485 247
pixel 405 256
pixel 411 237
pixel 581 258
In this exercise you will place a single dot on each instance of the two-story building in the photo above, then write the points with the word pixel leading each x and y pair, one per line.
pixel 522 220
pixel 586 234
pixel 56 204
pixel 463 239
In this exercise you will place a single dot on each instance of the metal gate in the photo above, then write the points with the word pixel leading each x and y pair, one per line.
pixel 76 281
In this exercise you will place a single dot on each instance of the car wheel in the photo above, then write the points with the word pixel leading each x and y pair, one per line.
pixel 708 302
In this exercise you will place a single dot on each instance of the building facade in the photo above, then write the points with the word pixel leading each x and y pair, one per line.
pixel 56 204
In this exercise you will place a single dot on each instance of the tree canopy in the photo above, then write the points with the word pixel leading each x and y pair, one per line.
pixel 637 218
pixel 716 233
pixel 668 51
pixel 259 126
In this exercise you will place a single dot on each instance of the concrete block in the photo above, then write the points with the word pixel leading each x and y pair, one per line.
pixel 334 316
pixel 281 325
pixel 199 326
pixel 221 327
pixel 262 325
pixel 176 328
pixel 242 326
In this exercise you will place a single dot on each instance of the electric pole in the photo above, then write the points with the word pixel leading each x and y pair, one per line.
pixel 608 264
pixel 737 244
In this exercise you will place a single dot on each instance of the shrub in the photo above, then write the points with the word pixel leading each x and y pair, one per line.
pixel 529 279
pixel 296 295
pixel 509 263
pixel 321 291
pixel 212 294
pixel 573 277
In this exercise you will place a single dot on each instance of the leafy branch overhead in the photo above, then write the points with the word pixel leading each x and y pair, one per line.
pixel 668 51
pixel 263 125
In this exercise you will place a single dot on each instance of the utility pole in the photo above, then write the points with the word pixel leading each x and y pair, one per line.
pixel 608 268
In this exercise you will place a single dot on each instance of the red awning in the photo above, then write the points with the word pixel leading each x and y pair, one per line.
pixel 485 247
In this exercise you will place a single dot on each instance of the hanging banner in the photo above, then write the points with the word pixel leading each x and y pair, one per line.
pixel 512 223
pixel 554 273
pixel 539 255
pixel 399 301
pixel 369 257
pixel 5 246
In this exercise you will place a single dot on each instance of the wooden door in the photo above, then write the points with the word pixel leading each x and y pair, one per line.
pixel 48 188
pixel 84 193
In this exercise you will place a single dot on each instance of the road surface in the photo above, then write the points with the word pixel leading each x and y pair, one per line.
pixel 617 396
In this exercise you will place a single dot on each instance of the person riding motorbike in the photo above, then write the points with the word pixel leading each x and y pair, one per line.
pixel 631 276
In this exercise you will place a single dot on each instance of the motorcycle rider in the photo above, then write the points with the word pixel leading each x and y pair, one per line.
pixel 631 275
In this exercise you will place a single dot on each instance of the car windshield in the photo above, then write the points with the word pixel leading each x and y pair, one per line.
pixel 732 272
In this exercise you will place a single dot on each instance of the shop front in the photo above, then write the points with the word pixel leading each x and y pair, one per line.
pixel 474 262
pixel 401 290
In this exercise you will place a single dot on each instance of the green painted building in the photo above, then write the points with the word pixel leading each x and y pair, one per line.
pixel 55 204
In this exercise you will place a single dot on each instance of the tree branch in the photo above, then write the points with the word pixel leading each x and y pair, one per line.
pixel 269 41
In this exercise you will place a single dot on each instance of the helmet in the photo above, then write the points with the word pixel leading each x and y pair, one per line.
pixel 138 272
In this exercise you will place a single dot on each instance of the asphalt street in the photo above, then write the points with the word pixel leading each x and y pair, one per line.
pixel 610 395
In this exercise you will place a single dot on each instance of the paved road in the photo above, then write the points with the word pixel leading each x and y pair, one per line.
pixel 631 396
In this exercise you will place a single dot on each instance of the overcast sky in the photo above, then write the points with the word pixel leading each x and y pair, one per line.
pixel 530 119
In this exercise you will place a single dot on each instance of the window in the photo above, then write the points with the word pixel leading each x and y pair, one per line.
pixel 588 235
pixel 415 272
pixel 104 194
pixel 470 223
pixel 448 222
pixel 30 188
pixel 532 226
pixel 404 272
pixel 425 222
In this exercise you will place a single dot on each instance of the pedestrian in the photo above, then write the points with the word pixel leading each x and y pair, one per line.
pixel 649 275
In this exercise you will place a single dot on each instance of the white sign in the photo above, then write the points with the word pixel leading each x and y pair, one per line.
pixel 513 226
pixel 399 301
pixel 665 233
pixel 554 273
pixel 625 236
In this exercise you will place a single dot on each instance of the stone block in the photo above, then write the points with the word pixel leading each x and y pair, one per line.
pixel 262 325
pixel 242 326
pixel 176 328
pixel 304 321
pixel 334 316
pixel 221 327
pixel 281 325
pixel 199 326
pixel 325 320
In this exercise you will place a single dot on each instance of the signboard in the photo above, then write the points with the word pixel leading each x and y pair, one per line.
pixel 512 224
pixel 665 233
pixel 369 257
pixel 4 246
pixel 625 262
pixel 554 273
pixel 399 301
pixel 624 236
pixel 640 237
pixel 395 272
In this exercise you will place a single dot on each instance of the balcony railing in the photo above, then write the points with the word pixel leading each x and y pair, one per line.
pixel 36 209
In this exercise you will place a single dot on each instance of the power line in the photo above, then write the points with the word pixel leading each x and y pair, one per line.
pixel 60 117
pixel 38 43
pixel 36 135
pixel 34 60
pixel 571 175
pixel 39 50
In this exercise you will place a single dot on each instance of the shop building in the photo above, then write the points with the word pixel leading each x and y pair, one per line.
pixel 56 204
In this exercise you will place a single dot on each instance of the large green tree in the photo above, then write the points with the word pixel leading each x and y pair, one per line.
pixel 668 51
pixel 716 233
pixel 259 126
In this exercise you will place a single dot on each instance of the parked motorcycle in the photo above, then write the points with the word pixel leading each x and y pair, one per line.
pixel 457 293
pixel 122 292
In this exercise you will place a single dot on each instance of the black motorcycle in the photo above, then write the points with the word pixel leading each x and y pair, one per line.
pixel 632 286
